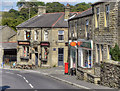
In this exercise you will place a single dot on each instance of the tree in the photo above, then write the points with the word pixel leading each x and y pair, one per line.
pixel 54 7
pixel 115 53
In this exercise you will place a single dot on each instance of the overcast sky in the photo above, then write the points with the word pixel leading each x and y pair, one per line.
pixel 6 5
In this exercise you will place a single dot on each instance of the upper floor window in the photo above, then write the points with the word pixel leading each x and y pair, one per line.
pixel 26 35
pixel 86 27
pixel 107 10
pixel 97 17
pixel 35 35
pixel 60 35
pixel 45 35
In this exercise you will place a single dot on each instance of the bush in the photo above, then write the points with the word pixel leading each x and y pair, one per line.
pixel 115 53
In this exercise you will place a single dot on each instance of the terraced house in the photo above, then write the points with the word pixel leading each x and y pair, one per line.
pixel 94 31
pixel 42 40
pixel 80 31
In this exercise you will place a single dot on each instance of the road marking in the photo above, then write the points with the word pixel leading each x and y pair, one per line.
pixel 24 78
pixel 31 85
pixel 27 81
pixel 19 75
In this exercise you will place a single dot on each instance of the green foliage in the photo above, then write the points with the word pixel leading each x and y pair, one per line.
pixel 14 17
pixel 115 53
pixel 80 7
pixel 54 7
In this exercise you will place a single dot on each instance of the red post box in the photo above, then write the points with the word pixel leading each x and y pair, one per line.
pixel 66 68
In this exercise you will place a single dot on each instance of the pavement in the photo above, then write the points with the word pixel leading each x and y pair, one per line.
pixel 58 74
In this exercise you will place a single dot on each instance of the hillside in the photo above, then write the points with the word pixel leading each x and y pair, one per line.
pixel 14 17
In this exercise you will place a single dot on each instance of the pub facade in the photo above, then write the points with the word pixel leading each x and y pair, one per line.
pixel 43 39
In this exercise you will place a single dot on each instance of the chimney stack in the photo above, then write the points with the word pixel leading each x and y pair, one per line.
pixel 41 9
pixel 67 12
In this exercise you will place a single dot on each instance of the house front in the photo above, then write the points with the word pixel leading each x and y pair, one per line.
pixel 42 40
pixel 8 45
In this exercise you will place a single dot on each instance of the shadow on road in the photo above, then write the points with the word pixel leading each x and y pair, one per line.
pixel 3 88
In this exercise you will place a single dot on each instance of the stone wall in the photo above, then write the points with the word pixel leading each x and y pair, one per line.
pixel 87 75
pixel 110 74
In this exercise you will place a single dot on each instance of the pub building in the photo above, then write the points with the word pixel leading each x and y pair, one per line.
pixel 42 40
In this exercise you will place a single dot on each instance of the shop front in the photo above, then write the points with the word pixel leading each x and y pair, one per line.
pixel 85 53
pixel 73 54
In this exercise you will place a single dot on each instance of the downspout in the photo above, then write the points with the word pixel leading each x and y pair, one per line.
pixel 41 47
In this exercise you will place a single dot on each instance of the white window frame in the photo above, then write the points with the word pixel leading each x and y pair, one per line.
pixel 35 35
pixel 45 35
pixel 61 34
pixel 25 35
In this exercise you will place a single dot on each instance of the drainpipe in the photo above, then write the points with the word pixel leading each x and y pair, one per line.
pixel 41 47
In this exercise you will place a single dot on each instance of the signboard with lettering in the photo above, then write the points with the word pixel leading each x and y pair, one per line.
pixel 44 44
pixel 85 44
pixel 24 43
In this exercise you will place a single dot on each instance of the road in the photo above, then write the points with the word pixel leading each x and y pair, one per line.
pixel 15 79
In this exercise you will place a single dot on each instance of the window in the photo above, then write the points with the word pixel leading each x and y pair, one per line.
pixel 25 51
pixel 97 16
pixel 45 35
pixel 60 35
pixel 102 50
pixel 35 35
pixel 86 27
pixel 107 15
pixel 26 35
pixel 76 29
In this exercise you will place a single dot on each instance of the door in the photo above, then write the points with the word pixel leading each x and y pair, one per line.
pixel 36 58
pixel 60 56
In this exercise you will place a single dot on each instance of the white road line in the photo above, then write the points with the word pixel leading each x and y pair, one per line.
pixel 24 78
pixel 19 75
pixel 31 85
pixel 27 81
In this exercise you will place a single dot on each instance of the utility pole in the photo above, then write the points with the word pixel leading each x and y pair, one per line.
pixel 29 12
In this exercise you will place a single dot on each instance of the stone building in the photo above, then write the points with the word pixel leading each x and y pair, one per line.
pixel 104 31
pixel 42 40
pixel 80 31
pixel 8 44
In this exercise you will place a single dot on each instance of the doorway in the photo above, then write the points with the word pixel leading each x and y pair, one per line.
pixel 60 56
pixel 36 59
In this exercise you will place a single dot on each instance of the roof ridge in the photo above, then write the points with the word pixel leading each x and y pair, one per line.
pixel 57 20
pixel 54 13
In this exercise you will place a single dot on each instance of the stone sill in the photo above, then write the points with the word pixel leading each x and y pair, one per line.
pixel 60 41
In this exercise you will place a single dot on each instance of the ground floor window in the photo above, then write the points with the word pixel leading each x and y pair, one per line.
pixel 25 51
pixel 84 58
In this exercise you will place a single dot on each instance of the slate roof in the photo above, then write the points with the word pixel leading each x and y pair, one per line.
pixel 102 1
pixel 45 20
pixel 83 14
pixel 9 45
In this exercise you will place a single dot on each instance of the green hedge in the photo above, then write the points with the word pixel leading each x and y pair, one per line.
pixel 115 53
